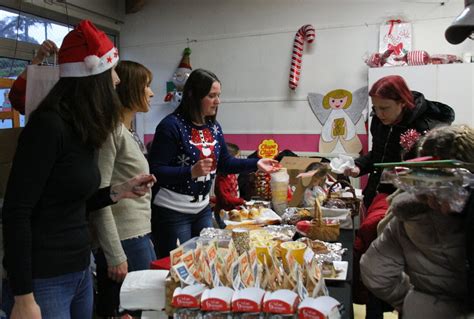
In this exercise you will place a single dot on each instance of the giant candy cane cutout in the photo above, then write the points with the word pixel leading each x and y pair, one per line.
pixel 307 31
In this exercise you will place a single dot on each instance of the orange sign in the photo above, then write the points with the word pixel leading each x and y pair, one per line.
pixel 268 149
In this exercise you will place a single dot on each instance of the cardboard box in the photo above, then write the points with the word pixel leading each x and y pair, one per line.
pixel 8 142
pixel 296 165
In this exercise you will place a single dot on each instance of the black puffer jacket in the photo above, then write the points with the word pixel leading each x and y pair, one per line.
pixel 386 140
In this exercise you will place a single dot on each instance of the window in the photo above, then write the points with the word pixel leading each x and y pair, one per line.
pixel 29 28
pixel 20 36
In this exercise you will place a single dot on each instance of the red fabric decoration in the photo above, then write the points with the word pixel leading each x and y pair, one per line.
pixel 163 263
pixel 409 138
pixel 366 234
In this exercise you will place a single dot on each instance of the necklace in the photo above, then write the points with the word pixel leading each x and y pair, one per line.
pixel 138 140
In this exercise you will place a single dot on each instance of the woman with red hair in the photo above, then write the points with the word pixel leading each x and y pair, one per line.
pixel 396 111
pixel 399 117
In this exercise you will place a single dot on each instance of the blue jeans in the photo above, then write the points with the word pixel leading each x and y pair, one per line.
pixel 168 225
pixel 67 296
pixel 140 254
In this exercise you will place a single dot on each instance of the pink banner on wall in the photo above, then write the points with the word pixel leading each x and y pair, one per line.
pixel 293 142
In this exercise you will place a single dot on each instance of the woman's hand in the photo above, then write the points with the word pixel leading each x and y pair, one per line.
pixel 268 165
pixel 46 49
pixel 352 172
pixel 133 188
pixel 25 307
pixel 118 273
pixel 201 168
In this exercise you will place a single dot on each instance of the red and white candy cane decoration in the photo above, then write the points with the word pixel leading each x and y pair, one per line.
pixel 305 32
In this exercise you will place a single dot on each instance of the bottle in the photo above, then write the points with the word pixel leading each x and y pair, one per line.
pixel 279 186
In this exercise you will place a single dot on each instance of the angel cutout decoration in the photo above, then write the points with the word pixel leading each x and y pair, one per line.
pixel 338 112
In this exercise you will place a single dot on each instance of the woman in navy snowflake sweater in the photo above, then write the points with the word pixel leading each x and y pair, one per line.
pixel 188 149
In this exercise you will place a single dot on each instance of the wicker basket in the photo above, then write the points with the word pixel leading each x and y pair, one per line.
pixel 321 230
pixel 353 203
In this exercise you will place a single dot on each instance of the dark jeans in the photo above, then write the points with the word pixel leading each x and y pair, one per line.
pixel 375 307
pixel 140 254
pixel 67 296
pixel 168 225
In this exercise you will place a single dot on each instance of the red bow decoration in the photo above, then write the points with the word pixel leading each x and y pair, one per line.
pixel 396 48
pixel 409 138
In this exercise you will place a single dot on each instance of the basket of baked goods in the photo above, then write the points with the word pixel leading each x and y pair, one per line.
pixel 293 215
pixel 338 200
pixel 325 229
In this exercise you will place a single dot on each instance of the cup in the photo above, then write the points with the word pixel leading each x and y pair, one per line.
pixel 296 248
pixel 263 254
pixel 467 57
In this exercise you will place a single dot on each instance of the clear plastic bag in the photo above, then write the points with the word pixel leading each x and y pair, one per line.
pixel 445 186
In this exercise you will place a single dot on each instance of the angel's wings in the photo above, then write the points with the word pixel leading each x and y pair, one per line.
pixel 316 103
pixel 360 98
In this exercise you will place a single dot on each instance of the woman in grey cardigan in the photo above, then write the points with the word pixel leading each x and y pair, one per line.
pixel 123 231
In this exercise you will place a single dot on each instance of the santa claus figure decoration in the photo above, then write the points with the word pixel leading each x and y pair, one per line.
pixel 176 85
pixel 204 141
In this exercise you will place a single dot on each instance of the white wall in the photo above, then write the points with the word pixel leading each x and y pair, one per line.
pixel 248 43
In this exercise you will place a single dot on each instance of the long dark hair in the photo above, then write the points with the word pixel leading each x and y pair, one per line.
pixel 89 104
pixel 197 86
pixel 393 87
pixel 134 78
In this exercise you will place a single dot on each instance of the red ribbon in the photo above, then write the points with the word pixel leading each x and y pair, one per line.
pixel 396 48
pixel 392 22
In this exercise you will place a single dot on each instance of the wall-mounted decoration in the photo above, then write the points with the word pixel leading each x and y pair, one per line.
pixel 396 37
pixel 305 32
pixel 338 112
pixel 268 149
pixel 174 88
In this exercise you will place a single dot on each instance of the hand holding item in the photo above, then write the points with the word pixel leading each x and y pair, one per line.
pixel 46 49
pixel 201 168
pixel 117 273
pixel 268 165
pixel 133 188
pixel 25 306
pixel 352 172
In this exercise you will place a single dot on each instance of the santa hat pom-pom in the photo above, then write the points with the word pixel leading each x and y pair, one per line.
pixel 91 61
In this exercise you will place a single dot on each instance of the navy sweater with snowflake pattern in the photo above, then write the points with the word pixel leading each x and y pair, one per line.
pixel 177 146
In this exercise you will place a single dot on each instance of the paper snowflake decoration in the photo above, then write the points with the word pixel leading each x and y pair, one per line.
pixel 215 129
pixel 183 160
pixel 409 138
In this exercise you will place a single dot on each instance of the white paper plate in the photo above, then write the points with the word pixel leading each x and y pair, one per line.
pixel 266 216
pixel 340 265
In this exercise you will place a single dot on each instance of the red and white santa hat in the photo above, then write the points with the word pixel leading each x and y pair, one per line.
pixel 86 51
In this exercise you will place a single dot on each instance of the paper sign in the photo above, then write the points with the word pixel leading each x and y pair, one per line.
pixel 268 149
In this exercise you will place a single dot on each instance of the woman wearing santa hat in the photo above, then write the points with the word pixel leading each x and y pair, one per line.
pixel 188 148
pixel 54 181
